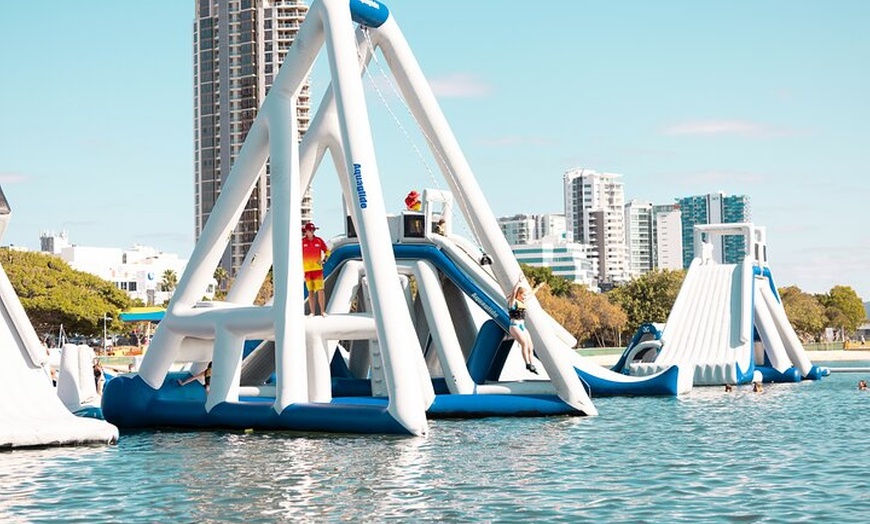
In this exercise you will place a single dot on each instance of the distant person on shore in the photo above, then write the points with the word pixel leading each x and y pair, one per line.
pixel 205 375
pixel 862 385
pixel 314 254
pixel 728 388
pixel 517 312
pixel 757 387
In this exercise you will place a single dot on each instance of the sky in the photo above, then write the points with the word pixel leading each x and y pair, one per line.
pixel 769 99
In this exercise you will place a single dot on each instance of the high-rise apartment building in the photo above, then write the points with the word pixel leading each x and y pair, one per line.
pixel 714 208
pixel 238 47
pixel 524 229
pixel 654 237
pixel 667 236
pixel 595 215
pixel 639 237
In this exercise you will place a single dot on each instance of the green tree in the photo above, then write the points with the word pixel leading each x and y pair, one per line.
pixel 267 290
pixel 559 286
pixel 53 293
pixel 578 321
pixel 843 307
pixel 169 280
pixel 588 316
pixel 648 298
pixel 612 319
pixel 223 280
pixel 222 276
pixel 805 314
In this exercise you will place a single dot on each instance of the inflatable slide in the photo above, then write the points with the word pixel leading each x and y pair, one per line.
pixel 31 414
pixel 727 325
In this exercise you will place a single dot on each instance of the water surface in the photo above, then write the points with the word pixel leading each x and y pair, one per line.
pixel 794 453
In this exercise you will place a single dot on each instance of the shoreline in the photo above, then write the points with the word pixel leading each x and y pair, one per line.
pixel 836 355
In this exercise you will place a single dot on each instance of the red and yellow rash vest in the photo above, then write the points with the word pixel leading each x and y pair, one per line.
pixel 313 252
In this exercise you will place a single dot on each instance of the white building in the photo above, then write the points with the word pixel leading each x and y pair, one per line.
pixel 595 215
pixel 565 259
pixel 667 236
pixel 524 229
pixel 639 237
pixel 138 271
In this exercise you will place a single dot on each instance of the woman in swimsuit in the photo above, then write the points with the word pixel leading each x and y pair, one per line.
pixel 205 375
pixel 517 312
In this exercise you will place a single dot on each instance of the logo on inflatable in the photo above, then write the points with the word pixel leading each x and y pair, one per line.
pixel 360 190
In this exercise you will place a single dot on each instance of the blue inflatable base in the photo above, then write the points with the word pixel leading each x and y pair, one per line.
pixel 791 374
pixel 90 412
pixel 769 374
pixel 664 384
pixel 128 402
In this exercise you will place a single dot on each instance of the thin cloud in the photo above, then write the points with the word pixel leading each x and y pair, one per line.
pixel 460 85
pixel 13 178
pixel 742 128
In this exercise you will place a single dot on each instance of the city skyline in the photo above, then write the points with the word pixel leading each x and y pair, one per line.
pixel 681 99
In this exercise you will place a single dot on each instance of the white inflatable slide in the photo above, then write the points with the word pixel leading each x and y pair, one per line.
pixel 31 414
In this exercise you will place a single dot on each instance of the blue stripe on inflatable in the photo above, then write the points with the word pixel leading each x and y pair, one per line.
pixel 440 260
pixel 485 350
pixel 769 374
pixel 644 329
pixel 462 406
pixel 129 402
pixel 369 13
pixel 664 384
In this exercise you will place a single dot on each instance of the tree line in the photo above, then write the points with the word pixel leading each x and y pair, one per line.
pixel 608 319
pixel 53 293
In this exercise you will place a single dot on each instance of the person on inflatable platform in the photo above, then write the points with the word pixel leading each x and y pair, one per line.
pixel 517 313
pixel 412 201
pixel 314 254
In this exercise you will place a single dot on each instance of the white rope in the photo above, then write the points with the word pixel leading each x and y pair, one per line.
pixel 404 130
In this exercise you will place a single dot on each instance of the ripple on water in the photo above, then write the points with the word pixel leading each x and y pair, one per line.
pixel 794 453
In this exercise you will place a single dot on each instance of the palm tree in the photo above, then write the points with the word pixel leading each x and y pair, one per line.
pixel 221 275
pixel 169 281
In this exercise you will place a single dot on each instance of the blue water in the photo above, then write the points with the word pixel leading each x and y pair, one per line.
pixel 794 453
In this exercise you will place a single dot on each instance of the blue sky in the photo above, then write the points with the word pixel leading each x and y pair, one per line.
pixel 763 98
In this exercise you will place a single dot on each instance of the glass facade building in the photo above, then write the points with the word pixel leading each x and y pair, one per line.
pixel 714 208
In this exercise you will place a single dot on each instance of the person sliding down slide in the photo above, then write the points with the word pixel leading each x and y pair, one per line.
pixel 517 312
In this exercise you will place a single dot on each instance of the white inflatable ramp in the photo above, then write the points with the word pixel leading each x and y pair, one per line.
pixel 783 358
pixel 709 328
pixel 31 414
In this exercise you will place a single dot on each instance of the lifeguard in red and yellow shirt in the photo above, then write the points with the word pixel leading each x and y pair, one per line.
pixel 314 253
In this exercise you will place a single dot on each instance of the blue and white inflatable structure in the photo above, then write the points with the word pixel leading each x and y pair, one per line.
pixel 728 325
pixel 31 413
pixel 384 358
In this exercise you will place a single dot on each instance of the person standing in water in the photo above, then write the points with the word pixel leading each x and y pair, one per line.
pixel 517 312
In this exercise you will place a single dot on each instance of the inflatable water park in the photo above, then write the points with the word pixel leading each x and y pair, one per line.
pixel 384 359
pixel 417 322
pixel 727 325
